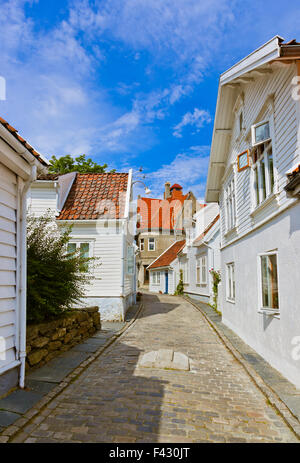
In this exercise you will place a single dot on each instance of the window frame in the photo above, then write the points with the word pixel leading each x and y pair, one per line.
pixel 263 178
pixel 156 278
pixel 261 308
pixel 200 267
pixel 230 204
pixel 130 258
pixel 230 282
pixel 142 244
pixel 78 242
pixel 254 127
pixel 154 246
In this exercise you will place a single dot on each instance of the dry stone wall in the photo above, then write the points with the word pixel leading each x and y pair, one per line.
pixel 47 340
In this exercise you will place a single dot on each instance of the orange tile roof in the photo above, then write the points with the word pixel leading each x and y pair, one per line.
pixel 160 213
pixel 14 132
pixel 93 196
pixel 295 171
pixel 168 256
pixel 212 223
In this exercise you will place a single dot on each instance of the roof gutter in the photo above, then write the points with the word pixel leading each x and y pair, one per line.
pixel 19 149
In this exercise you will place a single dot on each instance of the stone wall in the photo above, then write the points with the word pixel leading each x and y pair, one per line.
pixel 47 340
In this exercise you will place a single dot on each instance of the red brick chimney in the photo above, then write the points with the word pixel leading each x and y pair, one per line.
pixel 167 193
pixel 176 191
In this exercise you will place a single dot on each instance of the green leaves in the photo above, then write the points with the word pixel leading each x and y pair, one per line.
pixel 55 279
pixel 81 164
pixel 180 287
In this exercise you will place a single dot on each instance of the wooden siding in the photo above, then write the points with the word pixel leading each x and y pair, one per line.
pixel 8 310
pixel 41 198
pixel 284 112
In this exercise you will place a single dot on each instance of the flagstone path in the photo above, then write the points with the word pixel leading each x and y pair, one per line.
pixel 117 399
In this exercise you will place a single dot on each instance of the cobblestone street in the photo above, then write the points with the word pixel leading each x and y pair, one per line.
pixel 115 400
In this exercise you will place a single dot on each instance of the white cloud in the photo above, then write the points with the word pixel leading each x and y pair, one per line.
pixel 189 169
pixel 196 119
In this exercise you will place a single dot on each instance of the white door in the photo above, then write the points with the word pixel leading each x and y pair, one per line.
pixel 8 237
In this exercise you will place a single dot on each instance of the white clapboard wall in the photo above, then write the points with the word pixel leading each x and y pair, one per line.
pixel 8 216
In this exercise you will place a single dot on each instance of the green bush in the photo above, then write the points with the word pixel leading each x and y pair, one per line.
pixel 180 287
pixel 55 279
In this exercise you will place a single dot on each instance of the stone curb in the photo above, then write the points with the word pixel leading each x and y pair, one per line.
pixel 282 409
pixel 17 428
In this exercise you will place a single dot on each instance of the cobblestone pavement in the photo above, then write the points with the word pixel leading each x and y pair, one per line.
pixel 115 400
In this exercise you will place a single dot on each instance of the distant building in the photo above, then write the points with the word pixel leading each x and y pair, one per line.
pixel 160 223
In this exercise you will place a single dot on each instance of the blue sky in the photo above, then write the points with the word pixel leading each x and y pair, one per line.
pixel 129 82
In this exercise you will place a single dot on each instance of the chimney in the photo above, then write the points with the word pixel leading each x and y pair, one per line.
pixel 167 193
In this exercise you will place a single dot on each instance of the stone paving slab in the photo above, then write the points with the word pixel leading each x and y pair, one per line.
pixel 42 387
pixel 115 400
pixel 285 390
pixel 7 418
pixel 57 369
pixel 20 401
pixel 112 326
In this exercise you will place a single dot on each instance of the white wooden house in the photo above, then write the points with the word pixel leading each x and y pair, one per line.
pixel 253 175
pixel 201 254
pixel 98 208
pixel 164 271
pixel 19 164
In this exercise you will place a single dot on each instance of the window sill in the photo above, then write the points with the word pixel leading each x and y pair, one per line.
pixel 232 301
pixel 261 206
pixel 271 312
pixel 230 232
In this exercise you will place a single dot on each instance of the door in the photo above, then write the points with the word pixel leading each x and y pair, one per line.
pixel 166 282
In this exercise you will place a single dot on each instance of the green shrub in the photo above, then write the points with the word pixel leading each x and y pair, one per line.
pixel 216 277
pixel 55 279
pixel 180 287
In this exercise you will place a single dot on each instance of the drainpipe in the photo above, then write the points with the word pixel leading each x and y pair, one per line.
pixel 23 275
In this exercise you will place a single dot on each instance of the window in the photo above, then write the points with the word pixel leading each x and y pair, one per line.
pixel 263 172
pixel 260 133
pixel 269 282
pixel 201 270
pixel 130 260
pixel 230 282
pixel 84 248
pixel 241 121
pixel 151 244
pixel 185 271
pixel 142 244
pixel 230 210
pixel 156 278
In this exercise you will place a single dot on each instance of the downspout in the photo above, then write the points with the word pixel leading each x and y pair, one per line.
pixel 23 274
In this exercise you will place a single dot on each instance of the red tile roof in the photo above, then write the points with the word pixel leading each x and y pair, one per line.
pixel 295 171
pixel 168 256
pixel 14 132
pixel 94 196
pixel 212 223
pixel 175 186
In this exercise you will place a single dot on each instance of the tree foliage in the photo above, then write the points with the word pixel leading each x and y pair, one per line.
pixel 55 279
pixel 81 164
pixel 180 287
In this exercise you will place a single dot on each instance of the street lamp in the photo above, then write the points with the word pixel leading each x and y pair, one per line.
pixel 147 190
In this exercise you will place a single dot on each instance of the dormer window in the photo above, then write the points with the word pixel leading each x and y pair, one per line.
pixel 260 133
